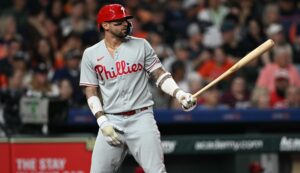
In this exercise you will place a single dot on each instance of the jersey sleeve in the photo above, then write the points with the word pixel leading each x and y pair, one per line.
pixel 151 60
pixel 88 76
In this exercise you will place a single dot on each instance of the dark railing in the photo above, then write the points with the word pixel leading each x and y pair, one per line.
pixel 166 116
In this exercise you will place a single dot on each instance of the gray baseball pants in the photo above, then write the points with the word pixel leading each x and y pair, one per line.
pixel 141 138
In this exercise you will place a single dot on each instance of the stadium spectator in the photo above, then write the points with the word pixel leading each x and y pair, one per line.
pixel 260 98
pixel 10 41
pixel 40 86
pixel 137 30
pixel 8 29
pixel 71 41
pixel 157 22
pixel 54 35
pixel 43 53
pixel 275 32
pixel 144 15
pixel 254 36
pixel 282 60
pixel 214 67
pixel 71 72
pixel 213 15
pixel 238 95
pixel 162 50
pixel 66 91
pixel 13 46
pixel 35 29
pixel 191 8
pixel 288 14
pixel 19 11
pixel 248 9
pixel 178 71
pixel 195 37
pixel 271 14
pixel 56 11
pixel 230 43
pixel 91 10
pixel 203 57
pixel 181 52
pixel 195 83
pixel 211 100
pixel 10 98
pixel 296 46
pixel 76 21
pixel 292 97
pixel 214 12
pixel 3 81
pixel 175 19
pixel 250 72
pixel 18 62
pixel 277 96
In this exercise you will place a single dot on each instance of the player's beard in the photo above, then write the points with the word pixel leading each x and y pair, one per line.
pixel 119 34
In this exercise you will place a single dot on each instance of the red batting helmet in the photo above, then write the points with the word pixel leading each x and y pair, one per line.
pixel 112 12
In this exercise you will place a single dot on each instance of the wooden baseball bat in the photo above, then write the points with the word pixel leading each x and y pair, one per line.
pixel 242 62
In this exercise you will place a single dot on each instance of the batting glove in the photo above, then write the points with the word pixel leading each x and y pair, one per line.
pixel 109 131
pixel 188 102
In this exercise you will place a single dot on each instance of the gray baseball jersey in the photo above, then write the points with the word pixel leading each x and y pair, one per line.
pixel 123 78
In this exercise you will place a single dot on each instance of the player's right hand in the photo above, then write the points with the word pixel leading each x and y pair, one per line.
pixel 187 101
pixel 109 132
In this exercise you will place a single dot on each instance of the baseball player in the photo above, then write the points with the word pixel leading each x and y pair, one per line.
pixel 115 74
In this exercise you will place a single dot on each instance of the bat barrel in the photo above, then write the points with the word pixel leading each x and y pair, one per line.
pixel 245 60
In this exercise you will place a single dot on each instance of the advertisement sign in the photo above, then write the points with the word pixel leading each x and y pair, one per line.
pixel 4 155
pixel 73 154
pixel 230 144
pixel 290 143
pixel 51 155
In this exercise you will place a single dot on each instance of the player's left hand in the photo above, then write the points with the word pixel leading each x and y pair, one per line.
pixel 110 131
pixel 188 102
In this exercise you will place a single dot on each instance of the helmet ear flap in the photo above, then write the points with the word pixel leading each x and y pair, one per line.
pixel 129 28
pixel 100 28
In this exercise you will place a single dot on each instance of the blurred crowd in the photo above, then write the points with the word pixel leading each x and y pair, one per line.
pixel 41 44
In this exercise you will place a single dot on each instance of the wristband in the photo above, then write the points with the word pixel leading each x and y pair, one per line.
pixel 162 79
pixel 94 104
pixel 102 120
pixel 167 84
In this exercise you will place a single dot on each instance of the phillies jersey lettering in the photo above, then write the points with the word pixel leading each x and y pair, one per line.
pixel 122 68
pixel 122 79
